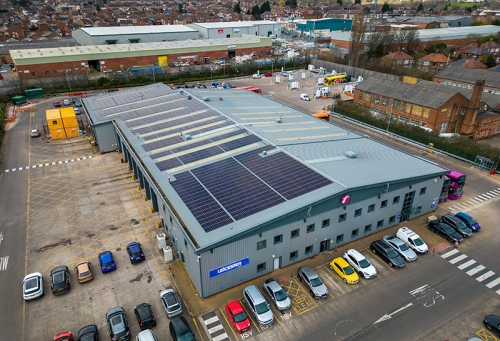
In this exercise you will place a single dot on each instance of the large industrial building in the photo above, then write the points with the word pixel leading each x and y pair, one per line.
pixel 78 60
pixel 133 34
pixel 245 185
pixel 217 30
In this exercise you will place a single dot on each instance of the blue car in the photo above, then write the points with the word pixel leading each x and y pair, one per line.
pixel 135 252
pixel 468 221
pixel 107 262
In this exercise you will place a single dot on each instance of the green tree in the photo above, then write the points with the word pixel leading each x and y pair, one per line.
pixel 489 60
pixel 97 7
pixel 256 12
pixel 386 7
pixel 265 7
pixel 445 7
pixel 420 7
pixel 366 10
pixel 495 22
pixel 237 8
pixel 180 8
pixel 488 38
pixel 477 23
pixel 339 2
pixel 357 2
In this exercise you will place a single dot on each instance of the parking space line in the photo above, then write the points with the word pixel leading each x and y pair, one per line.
pixel 275 317
pixel 382 261
pixel 197 328
pixel 228 323
pixel 249 316
pixel 301 300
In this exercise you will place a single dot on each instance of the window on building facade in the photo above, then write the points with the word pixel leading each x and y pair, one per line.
pixel 368 228
pixel 309 249
pixel 395 104
pixel 357 213
pixel 360 95
pixel 426 112
pixel 385 101
pixel 383 204
pixel 423 190
pixel 354 233
pixel 395 200
pixel 376 99
pixel 424 124
pixel 380 223
pixel 310 228
pixel 294 255
pixel 394 117
pixel 403 119
pixel 414 122
pixel 261 267
pixel 295 233
pixel 339 238
pixel 392 219
pixel 325 223
pixel 261 244
pixel 371 208
pixel 278 239
pixel 405 106
pixel 342 217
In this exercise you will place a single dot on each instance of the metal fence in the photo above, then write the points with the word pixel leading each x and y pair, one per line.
pixel 353 71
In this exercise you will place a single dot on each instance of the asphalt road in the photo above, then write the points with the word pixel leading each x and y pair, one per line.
pixel 13 203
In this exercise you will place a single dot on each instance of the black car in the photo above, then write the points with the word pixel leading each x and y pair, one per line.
pixel 118 324
pixel 179 329
pixel 492 322
pixel 60 280
pixel 78 103
pixel 387 253
pixel 88 333
pixel 144 316
pixel 445 231
pixel 457 224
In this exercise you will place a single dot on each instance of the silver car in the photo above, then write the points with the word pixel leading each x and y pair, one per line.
pixel 170 303
pixel 316 286
pixel 277 294
pixel 402 248
pixel 258 306
pixel 33 286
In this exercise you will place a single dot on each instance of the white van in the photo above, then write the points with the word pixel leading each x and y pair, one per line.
pixel 146 335
pixel 272 36
pixel 412 239
pixel 305 97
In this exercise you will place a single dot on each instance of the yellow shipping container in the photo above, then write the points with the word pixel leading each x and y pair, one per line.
pixel 69 121
pixel 410 80
pixel 57 133
pixel 53 117
pixel 71 131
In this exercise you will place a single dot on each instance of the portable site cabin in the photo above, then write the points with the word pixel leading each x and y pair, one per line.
pixel 69 121
pixel 55 125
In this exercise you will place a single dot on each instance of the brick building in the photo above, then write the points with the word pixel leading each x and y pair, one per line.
pixel 433 106
pixel 455 76
pixel 77 60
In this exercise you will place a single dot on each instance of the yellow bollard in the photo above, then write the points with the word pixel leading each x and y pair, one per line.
pixel 138 186
pixel 144 198
pixel 133 177
pixel 151 210
pixel 431 145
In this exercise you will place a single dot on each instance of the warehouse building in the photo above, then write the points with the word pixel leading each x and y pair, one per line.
pixel 330 24
pixel 244 185
pixel 133 34
pixel 75 61
pixel 218 30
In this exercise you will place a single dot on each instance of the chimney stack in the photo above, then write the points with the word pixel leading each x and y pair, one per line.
pixel 476 94
pixel 469 127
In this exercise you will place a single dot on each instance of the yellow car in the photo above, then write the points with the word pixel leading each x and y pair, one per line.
pixel 344 270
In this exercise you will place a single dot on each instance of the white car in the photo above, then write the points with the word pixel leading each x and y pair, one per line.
pixel 412 239
pixel 360 263
pixel 305 97
pixel 256 76
pixel 403 249
pixel 32 286
pixel 77 111
pixel 66 102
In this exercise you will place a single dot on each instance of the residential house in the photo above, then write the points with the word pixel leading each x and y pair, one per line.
pixel 398 60
pixel 433 62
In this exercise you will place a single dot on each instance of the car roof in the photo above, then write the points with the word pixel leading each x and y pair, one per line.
pixel 309 272
pixel 382 244
pixel 341 261
pixel 273 285
pixel 463 215
pixel 114 310
pixel 167 291
pixel 59 269
pixel 106 255
pixel 88 329
pixel 356 254
pixel 452 218
pixel 395 240
pixel 180 324
pixel 33 275
pixel 235 306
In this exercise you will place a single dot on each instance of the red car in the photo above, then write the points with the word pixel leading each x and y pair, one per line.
pixel 64 336
pixel 237 316
pixel 268 74
pixel 57 103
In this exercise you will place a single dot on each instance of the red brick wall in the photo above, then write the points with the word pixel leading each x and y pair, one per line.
pixel 58 69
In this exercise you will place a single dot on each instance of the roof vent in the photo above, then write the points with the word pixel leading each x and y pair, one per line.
pixel 189 97
pixel 206 99
pixel 351 154
pixel 187 137
pixel 181 91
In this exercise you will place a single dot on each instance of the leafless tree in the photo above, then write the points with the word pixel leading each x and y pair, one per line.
pixel 357 41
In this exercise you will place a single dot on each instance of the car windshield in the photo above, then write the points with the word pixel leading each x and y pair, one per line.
pixel 280 295
pixel 118 326
pixel 418 242
pixel 187 336
pixel 262 308
pixel 348 270
pixel 472 221
pixel 84 274
pixel 392 254
pixel 316 282
pixel 240 317
pixel 449 230
pixel 31 284
pixel 364 263
pixel 403 247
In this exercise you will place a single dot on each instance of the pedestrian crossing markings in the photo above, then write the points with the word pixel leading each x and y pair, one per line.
pixel 466 205
pixel 214 327
pixel 48 164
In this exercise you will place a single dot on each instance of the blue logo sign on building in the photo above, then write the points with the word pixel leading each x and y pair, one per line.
pixel 229 267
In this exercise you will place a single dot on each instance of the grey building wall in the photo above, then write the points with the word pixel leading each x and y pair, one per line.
pixel 460 22
pixel 105 137
pixel 81 37
pixel 225 31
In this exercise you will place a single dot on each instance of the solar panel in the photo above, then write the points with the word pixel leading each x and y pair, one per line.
pixel 200 154
pixel 205 209
pixel 235 144
pixel 239 191
pixel 286 175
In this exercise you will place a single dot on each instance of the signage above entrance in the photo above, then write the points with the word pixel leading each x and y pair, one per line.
pixel 345 199
pixel 229 267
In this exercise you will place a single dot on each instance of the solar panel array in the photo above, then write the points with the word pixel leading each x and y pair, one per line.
pixel 246 184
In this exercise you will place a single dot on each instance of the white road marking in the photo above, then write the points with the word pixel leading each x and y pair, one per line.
pixel 216 328
pixel 211 320
pixel 3 263
pixel 466 264
pixel 485 276
pixel 450 253
pixel 220 337
pixel 457 259
pixel 47 164
pixel 388 316
pixel 493 283
pixel 475 270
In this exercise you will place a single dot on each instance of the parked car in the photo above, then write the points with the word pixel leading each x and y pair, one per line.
pixel 118 324
pixel 35 133
pixel 305 97
pixel 144 316
pixel 66 102
pixel 445 231
pixel 412 239
pixel 344 270
pixel 268 74
pixel 492 323
pixel 170 303
pixel 258 306
pixel 360 263
pixel 88 333
pixel 277 294
pixel 403 249
pixel 457 224
pixel 316 286
pixel 64 336
pixel 237 316
pixel 468 221
pixel 77 111
pixel 256 76
pixel 57 103
pixel 60 280
pixel 107 262
pixel 84 271
pixel 74 99
pixel 135 253
pixel 180 330
pixel 33 286
pixel 387 253
pixel 146 335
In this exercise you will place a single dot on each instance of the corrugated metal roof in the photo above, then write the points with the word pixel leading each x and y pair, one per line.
pixel 411 93
pixel 469 75
pixel 41 55
pixel 155 120
pixel 150 29
pixel 230 24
